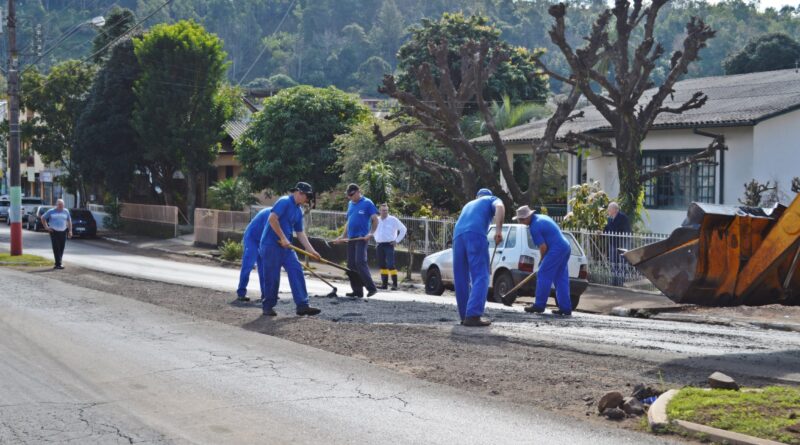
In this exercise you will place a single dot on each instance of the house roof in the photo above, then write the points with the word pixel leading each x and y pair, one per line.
pixel 738 100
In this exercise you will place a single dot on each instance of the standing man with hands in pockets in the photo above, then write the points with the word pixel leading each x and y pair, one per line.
pixel 58 222
pixel 362 221
pixel 390 232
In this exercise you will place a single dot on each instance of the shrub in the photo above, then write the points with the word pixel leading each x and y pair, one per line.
pixel 231 250
pixel 588 205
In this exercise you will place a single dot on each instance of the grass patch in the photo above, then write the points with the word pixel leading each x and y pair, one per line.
pixel 23 260
pixel 772 413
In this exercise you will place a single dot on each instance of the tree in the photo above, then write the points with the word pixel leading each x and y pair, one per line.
pixel 619 95
pixel 231 194
pixel 118 22
pixel 376 177
pixel 290 139
pixel 371 72
pixel 765 53
pixel 388 32
pixel 180 106
pixel 514 76
pixel 105 140
pixel 58 100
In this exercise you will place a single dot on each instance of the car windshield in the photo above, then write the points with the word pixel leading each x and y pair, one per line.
pixel 31 200
pixel 5 203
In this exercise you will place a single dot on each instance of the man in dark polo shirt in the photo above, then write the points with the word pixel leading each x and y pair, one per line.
pixel 362 221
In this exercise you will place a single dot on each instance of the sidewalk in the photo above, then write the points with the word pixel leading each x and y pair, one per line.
pixel 597 299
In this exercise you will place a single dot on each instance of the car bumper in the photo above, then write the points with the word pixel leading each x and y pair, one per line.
pixel 576 285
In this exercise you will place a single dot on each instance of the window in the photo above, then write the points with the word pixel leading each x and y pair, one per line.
pixel 678 189
pixel 511 238
pixel 228 171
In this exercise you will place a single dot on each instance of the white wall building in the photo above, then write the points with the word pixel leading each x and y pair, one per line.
pixel 759 115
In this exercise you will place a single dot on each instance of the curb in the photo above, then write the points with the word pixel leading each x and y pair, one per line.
pixel 657 414
pixel 659 422
pixel 722 436
pixel 731 322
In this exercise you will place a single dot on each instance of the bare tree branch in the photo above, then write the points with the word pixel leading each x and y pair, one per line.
pixel 708 154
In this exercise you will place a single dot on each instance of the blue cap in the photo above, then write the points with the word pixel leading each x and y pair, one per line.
pixel 483 192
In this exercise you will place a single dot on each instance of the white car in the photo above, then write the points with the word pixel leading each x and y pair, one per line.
pixel 516 258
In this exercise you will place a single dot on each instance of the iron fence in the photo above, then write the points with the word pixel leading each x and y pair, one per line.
pixel 607 266
pixel 424 235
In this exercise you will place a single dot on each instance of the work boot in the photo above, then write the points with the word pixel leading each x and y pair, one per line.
pixel 308 311
pixel 242 298
pixel 384 286
pixel 384 282
pixel 372 292
pixel 476 322
pixel 564 313
pixel 270 313
pixel 534 310
pixel 394 282
pixel 353 294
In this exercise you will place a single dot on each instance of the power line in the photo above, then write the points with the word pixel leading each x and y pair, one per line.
pixel 264 49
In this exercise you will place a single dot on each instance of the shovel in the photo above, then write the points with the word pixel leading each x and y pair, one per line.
pixel 506 297
pixel 354 277
pixel 332 293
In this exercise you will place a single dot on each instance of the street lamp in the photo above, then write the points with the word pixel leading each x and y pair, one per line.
pixel 15 189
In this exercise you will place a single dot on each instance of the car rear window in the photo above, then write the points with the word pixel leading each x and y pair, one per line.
pixel 5 203
pixel 575 249
pixel 80 213
pixel 32 201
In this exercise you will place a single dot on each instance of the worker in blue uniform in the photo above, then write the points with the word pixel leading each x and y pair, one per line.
pixel 285 218
pixel 554 252
pixel 471 255
pixel 362 221
pixel 250 257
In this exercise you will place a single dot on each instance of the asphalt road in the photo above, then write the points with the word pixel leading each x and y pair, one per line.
pixel 81 366
pixel 741 350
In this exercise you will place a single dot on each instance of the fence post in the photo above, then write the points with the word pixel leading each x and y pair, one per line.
pixel 426 235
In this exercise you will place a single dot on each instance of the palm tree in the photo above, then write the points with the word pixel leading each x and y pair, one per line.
pixel 231 194
pixel 507 114
pixel 376 178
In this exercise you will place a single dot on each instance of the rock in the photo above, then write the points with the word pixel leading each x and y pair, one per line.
pixel 614 413
pixel 588 398
pixel 641 392
pixel 612 399
pixel 719 380
pixel 631 405
pixel 794 428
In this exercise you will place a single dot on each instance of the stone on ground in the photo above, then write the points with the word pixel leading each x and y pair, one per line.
pixel 612 399
pixel 719 380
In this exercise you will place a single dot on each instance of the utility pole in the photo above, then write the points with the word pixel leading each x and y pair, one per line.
pixel 13 133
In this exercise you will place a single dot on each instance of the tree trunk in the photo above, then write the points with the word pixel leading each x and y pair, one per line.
pixel 191 198
pixel 536 178
pixel 630 188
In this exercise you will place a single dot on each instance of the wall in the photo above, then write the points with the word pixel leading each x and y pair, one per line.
pixel 777 152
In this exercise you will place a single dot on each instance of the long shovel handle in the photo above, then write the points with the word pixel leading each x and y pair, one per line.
pixel 491 262
pixel 521 283
pixel 311 271
pixel 322 260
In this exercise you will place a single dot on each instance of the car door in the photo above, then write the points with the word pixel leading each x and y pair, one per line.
pixel 501 249
pixel 445 263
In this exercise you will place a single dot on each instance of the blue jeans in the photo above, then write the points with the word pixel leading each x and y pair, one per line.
pixel 385 256
pixel 554 270
pixel 272 258
pixel 250 258
pixel 471 273
pixel 357 261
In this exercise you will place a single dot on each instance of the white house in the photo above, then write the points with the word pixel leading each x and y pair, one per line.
pixel 758 113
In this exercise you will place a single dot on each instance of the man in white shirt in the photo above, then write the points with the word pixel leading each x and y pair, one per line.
pixel 390 231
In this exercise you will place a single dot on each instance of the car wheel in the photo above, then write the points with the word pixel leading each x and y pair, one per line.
pixel 433 282
pixel 503 283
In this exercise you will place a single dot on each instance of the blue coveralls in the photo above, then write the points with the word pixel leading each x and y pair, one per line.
pixel 553 268
pixel 251 240
pixel 273 256
pixel 471 256
pixel 359 219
